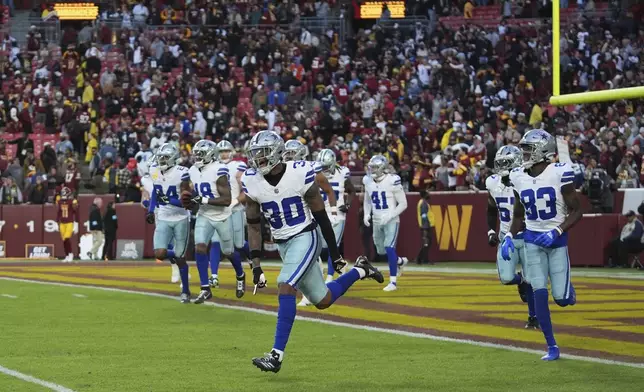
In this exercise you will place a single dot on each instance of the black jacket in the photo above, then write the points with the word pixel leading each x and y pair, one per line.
pixel 110 221
pixel 95 219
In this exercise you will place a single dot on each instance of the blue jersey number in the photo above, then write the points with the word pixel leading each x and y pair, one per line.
pixel 204 189
pixel 504 213
pixel 293 210
pixel 297 164
pixel 379 200
pixel 171 194
pixel 529 199
pixel 335 186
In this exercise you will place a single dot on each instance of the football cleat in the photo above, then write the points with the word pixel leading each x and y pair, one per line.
pixel 203 296
pixel 175 274
pixel 390 287
pixel 304 302
pixel 241 286
pixel 371 271
pixel 184 298
pixel 553 354
pixel 523 288
pixel 402 263
pixel 270 362
pixel 532 323
pixel 214 281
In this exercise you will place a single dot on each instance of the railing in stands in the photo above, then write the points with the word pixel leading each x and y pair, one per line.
pixel 49 30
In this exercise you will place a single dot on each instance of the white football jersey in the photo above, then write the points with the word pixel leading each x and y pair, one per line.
pixel 336 180
pixel 503 196
pixel 204 181
pixel 147 184
pixel 283 205
pixel 235 167
pixel 169 184
pixel 541 196
pixel 381 195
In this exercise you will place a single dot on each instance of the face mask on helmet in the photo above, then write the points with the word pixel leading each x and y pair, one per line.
pixel 225 156
pixel 200 157
pixel 262 159
pixel 289 155
pixel 376 170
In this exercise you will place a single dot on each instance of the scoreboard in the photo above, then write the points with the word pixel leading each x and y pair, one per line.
pixel 373 9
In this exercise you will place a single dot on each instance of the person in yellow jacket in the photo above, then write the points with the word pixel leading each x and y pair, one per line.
pixel 91 144
pixel 536 116
pixel 88 93
pixel 426 224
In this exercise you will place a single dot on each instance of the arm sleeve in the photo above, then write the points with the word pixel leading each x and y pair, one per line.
pixel 366 205
pixel 153 202
pixel 401 201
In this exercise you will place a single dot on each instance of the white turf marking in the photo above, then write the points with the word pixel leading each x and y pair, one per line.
pixel 341 324
pixel 34 380
pixel 9 296
pixel 79 295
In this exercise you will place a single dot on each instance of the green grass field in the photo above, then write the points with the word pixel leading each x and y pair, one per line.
pixel 93 340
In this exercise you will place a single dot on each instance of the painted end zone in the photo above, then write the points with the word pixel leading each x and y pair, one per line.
pixel 468 308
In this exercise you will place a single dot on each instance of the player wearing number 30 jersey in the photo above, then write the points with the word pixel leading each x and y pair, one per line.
pixel 385 199
pixel 288 195
pixel 549 207
pixel 501 203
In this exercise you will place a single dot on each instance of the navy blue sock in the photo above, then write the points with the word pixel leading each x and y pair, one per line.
pixel 185 281
pixel 330 270
pixel 215 257
pixel 392 258
pixel 202 267
pixel 340 286
pixel 285 319
pixel 170 253
pixel 530 296
pixel 516 280
pixel 235 260
pixel 543 314
pixel 246 250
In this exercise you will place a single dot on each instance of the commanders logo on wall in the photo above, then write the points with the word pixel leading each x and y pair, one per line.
pixel 39 251
pixel 452 227
pixel 129 249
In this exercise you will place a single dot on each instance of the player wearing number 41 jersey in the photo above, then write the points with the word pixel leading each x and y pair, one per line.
pixel 385 199
pixel 501 202
pixel 288 195
pixel 212 195
pixel 548 207
pixel 172 223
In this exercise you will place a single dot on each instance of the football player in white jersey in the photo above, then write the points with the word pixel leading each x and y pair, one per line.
pixel 501 204
pixel 211 193
pixel 385 199
pixel 549 208
pixel 236 169
pixel 172 220
pixel 289 197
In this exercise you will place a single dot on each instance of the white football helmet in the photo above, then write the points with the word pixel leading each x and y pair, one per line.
pixel 265 151
pixel 377 167
pixel 167 156
pixel 294 151
pixel 226 151
pixel 204 152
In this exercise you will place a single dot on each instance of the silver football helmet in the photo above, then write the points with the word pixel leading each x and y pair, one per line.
pixel 226 151
pixel 294 151
pixel 327 160
pixel 377 167
pixel 167 156
pixel 265 151
pixel 537 146
pixel 204 151
pixel 506 159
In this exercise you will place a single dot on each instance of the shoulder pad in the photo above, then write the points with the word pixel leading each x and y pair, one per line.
pixel 395 180
pixel 250 172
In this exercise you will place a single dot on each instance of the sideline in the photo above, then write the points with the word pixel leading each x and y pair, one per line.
pixel 342 324
pixel 34 380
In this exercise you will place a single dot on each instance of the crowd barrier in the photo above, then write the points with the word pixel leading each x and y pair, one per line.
pixel 459 233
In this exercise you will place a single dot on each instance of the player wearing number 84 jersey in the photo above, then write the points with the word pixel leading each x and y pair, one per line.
pixel 385 200
pixel 548 207
pixel 288 195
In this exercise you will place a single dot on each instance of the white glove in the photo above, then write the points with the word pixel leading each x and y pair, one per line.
pixel 365 220
pixel 386 219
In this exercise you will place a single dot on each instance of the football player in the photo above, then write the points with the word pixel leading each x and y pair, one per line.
pixel 385 199
pixel 549 207
pixel 212 195
pixel 67 210
pixel 501 203
pixel 235 169
pixel 288 195
pixel 172 220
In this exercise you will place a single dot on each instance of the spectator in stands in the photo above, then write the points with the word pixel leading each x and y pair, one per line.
pixel 37 193
pixel 10 193
pixel 630 240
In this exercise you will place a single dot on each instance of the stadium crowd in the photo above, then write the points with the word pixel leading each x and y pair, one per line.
pixel 437 101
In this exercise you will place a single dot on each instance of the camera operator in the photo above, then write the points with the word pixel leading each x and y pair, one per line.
pixel 599 187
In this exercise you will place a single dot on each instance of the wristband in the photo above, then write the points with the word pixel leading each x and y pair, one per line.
pixel 559 230
pixel 255 254
pixel 204 200
pixel 334 210
pixel 491 232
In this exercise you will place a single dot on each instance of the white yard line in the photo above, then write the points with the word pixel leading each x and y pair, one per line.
pixel 346 325
pixel 34 380
pixel 79 295
pixel 9 296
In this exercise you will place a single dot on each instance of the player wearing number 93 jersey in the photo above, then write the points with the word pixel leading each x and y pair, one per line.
pixel 549 207
pixel 288 195
pixel 501 202
pixel 172 223
pixel 385 199
pixel 212 195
